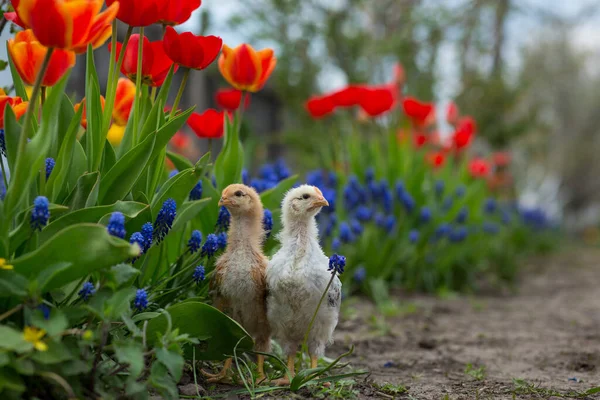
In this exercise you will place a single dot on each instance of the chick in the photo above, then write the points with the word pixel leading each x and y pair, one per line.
pixel 296 278
pixel 239 284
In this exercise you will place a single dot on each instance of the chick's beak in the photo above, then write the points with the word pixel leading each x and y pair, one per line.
pixel 320 202
pixel 223 201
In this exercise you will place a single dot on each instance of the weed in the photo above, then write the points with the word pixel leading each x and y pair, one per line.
pixel 523 387
pixel 477 373
pixel 391 389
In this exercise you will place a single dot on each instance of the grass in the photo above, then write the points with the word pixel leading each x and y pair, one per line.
pixel 391 389
pixel 477 373
pixel 523 387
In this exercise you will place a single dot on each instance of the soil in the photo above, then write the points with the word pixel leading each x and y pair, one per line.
pixel 546 333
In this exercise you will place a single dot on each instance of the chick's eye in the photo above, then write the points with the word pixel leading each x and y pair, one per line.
pixel 305 196
pixel 239 193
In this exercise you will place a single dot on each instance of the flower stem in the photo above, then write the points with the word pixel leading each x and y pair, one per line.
pixel 3 173
pixel 138 88
pixel 312 321
pixel 153 94
pixel 43 96
pixel 112 61
pixel 184 79
pixel 11 312
pixel 110 95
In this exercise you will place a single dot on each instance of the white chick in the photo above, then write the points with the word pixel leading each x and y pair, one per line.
pixel 296 278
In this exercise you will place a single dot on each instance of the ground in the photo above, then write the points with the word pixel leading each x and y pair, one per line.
pixel 540 342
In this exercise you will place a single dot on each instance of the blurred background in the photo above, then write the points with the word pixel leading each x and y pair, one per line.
pixel 526 70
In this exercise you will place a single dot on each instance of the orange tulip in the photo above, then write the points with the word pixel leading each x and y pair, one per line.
pixel 28 55
pixel 16 103
pixel 123 101
pixel 67 24
pixel 115 134
pixel 245 68
pixel 84 112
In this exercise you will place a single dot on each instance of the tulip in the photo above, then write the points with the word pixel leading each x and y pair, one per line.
pixel 349 96
pixel 155 63
pixel 320 106
pixel 421 114
pixel 189 50
pixel 465 131
pixel 67 24
pixel 501 159
pixel 176 12
pixel 208 125
pixel 479 168
pixel 28 54
pixel 245 68
pixel 139 13
pixel 419 140
pixel 376 101
pixel 180 141
pixel 436 159
pixel 124 97
pixel 16 103
pixel 230 99
pixel 115 134
pixel 84 112
pixel 452 113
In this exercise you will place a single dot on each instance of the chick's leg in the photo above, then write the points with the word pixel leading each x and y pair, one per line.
pixel 260 363
pixel 313 364
pixel 286 379
pixel 213 378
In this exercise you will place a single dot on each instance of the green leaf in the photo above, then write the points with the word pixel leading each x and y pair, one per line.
pixel 12 133
pixel 24 366
pixel 47 275
pixel 130 209
pixel 109 158
pixel 88 247
pixel 223 333
pixel 120 179
pixel 54 325
pixel 122 273
pixel 65 119
pixel 4 358
pixel 13 284
pixel 94 134
pixel 177 188
pixel 187 212
pixel 57 353
pixel 172 360
pixel 23 232
pixel 162 381
pixel 131 353
pixel 144 316
pixel 85 192
pixel 13 340
pixel 10 380
pixel 179 161
pixel 166 132
pixel 272 198
pixel 76 170
pixel 230 161
pixel 119 303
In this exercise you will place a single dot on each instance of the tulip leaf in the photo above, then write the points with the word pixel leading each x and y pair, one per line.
pixel 219 333
pixel 109 158
pixel 64 160
pixel 120 179
pixel 76 170
pixel 65 119
pixel 91 215
pixel 88 247
pixel 28 165
pixel 273 197
pixel 127 141
pixel 94 136
pixel 23 232
pixel 208 218
pixel 85 193
pixel 12 133
pixel 179 161
pixel 177 188
pixel 166 132
pixel 187 212
pixel 230 162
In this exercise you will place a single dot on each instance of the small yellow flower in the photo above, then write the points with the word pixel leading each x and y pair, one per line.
pixel 4 264
pixel 88 335
pixel 34 335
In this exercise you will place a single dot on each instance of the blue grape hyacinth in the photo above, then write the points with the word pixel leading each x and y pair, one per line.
pixel 458 234
pixel 356 227
pixel 116 225
pixel 360 274
pixel 210 246
pixel 50 163
pixel 364 214
pixel 87 291
pixel 490 206
pixel 196 192
pixel 141 299
pixel 40 213
pixel 199 274
pixel 346 235
pixel 2 143
pixel 138 238
pixel 336 243
pixel 195 241
pixel 222 240
pixel 223 220
pixel 337 264
pixel 148 234
pixel 173 173
pixel 413 236
pixel 164 220
pixel 425 215
pixel 268 222
pixel 439 188
pixel 461 218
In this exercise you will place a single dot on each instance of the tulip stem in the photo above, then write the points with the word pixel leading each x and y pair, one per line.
pixel 153 94
pixel 138 88
pixel 112 61
pixel 184 79
pixel 3 173
pixel 110 95
pixel 30 110
pixel 43 95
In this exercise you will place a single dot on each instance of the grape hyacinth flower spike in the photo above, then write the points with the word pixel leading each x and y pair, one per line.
pixel 116 225
pixel 199 274
pixel 141 300
pixel 210 246
pixel 268 222
pixel 87 290
pixel 40 213
pixel 195 241
pixel 148 234
pixel 164 220
pixel 50 163
pixel 337 264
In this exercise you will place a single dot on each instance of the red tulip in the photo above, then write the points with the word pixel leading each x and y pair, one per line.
pixel 436 159
pixel 419 140
pixel 230 99
pixel 479 168
pixel 155 63
pixel 320 106
pixel 465 131
pixel 452 113
pixel 349 96
pixel 180 140
pixel 16 103
pixel 208 125
pixel 420 114
pixel 139 13
pixel 189 50
pixel 376 101
pixel 501 159
pixel 399 74
pixel 176 12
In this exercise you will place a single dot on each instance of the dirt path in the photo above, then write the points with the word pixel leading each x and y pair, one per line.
pixel 547 334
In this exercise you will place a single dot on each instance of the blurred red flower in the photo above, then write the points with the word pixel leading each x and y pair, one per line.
pixel 420 114
pixel 378 100
pixel 399 74
pixel 180 141
pixel 465 131
pixel 501 158
pixel 320 106
pixel 139 13
pixel 452 113
pixel 124 97
pixel 178 11
pixel 155 62
pixel 84 112
pixel 419 139
pixel 349 96
pixel 436 159
pixel 208 125
pixel 189 50
pixel 479 168
pixel 230 99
